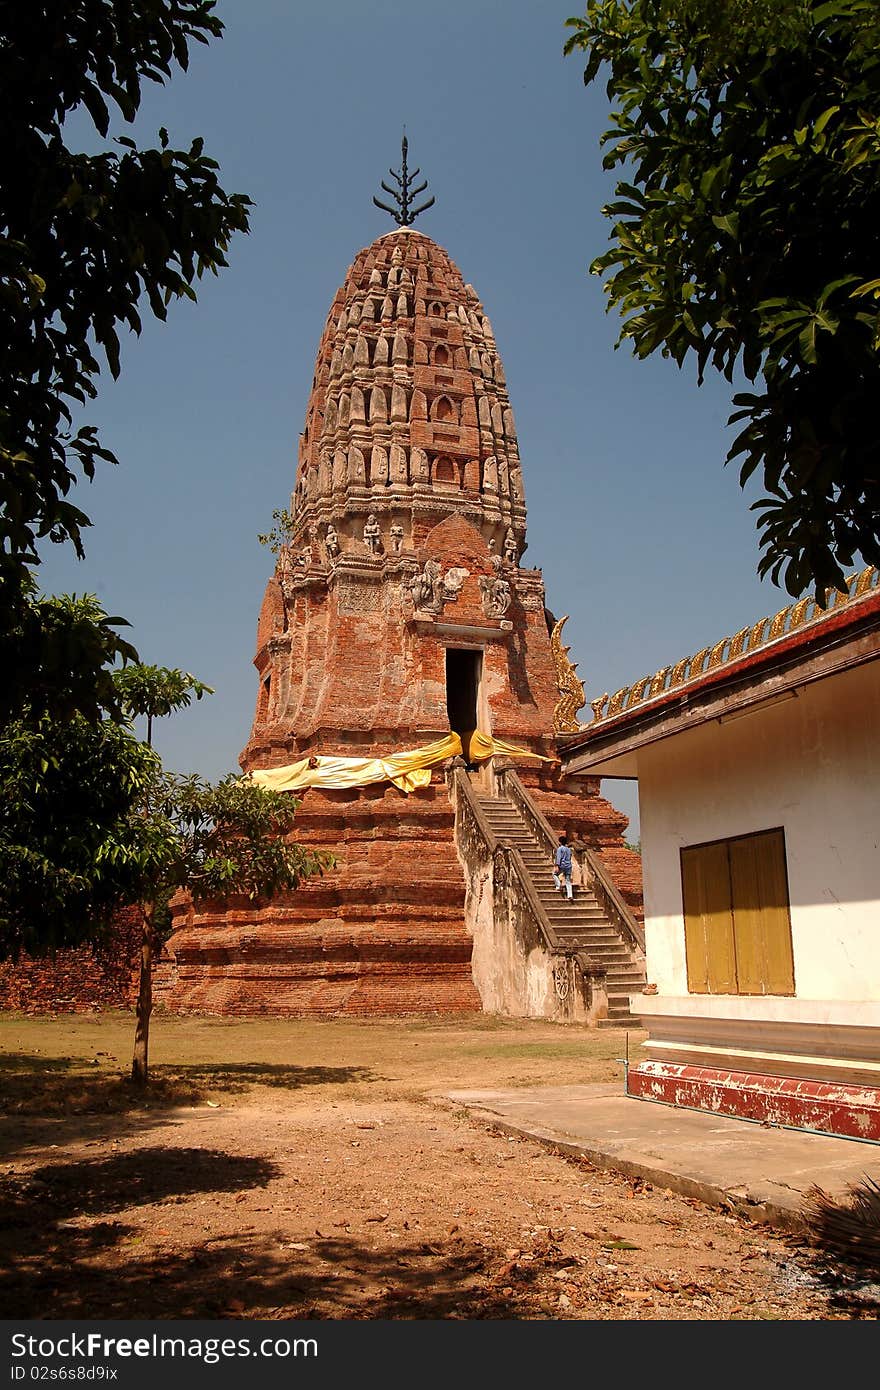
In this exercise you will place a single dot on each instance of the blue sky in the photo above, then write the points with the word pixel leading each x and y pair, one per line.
pixel 643 536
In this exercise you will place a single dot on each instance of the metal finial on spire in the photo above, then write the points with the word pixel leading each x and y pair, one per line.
pixel 404 194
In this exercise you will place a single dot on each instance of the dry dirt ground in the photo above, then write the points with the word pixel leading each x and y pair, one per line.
pixel 282 1169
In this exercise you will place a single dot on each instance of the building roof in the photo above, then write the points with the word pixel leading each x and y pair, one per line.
pixel 761 662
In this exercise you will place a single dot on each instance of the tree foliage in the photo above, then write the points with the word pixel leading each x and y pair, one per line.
pixel 220 840
pixel 279 536
pixel 57 656
pixel 68 790
pixel 153 692
pixel 86 241
pixel 91 822
pixel 746 236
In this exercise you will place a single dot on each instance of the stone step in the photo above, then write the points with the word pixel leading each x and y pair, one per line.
pixel 583 932
pixel 615 965
pixel 580 941
pixel 572 913
pixel 601 940
pixel 618 964
pixel 554 901
pixel 572 932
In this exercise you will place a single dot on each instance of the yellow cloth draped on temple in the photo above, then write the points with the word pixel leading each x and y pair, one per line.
pixel 407 770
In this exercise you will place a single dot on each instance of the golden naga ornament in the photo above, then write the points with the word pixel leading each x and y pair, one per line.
pixel 571 690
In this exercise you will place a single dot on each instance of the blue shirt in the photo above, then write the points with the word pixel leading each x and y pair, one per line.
pixel 563 858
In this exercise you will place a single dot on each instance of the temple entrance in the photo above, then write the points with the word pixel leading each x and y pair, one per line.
pixel 464 672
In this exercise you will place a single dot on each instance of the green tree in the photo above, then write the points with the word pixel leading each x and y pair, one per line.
pixel 66 789
pixel 156 691
pixel 57 657
pixel 90 822
pixel 746 236
pixel 221 842
pixel 86 242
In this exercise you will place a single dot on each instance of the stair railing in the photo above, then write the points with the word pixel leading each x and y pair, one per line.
pixel 607 896
pixel 473 825
pixel 511 880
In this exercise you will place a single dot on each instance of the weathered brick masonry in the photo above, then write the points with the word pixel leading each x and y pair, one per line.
pixel 76 981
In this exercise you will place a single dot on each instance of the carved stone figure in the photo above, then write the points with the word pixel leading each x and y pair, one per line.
pixel 396 537
pixel 372 535
pixel 284 569
pixel 430 590
pixel 427 588
pixel 452 582
pixel 497 596
pixel 510 547
pixel 331 541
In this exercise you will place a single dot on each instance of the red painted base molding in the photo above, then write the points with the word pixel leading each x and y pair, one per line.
pixel 851 1111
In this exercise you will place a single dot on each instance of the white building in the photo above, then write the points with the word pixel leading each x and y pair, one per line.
pixel 758 764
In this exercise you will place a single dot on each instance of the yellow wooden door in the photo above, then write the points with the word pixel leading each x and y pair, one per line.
pixel 761 921
pixel 708 920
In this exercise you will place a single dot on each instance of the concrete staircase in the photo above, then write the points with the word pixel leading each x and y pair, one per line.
pixel 580 925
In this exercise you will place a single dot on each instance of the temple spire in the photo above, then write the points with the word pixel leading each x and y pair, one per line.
pixel 404 194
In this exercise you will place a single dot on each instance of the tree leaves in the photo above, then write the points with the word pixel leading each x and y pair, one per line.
pixel 90 821
pixel 746 233
pixel 84 241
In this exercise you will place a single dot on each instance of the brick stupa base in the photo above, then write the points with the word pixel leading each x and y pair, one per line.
pixel 381 934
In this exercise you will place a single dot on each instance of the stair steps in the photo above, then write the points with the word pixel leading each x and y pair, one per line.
pixel 580 924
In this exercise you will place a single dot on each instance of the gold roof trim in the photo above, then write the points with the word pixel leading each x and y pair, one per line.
pixel 788 620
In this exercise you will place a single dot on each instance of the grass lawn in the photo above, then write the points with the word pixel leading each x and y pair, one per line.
pixel 76 1062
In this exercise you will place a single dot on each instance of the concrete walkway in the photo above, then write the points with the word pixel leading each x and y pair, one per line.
pixel 759 1172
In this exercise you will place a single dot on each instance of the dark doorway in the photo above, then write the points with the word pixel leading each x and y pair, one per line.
pixel 464 670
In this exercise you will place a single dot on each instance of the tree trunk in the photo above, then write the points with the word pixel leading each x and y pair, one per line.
pixel 144 1006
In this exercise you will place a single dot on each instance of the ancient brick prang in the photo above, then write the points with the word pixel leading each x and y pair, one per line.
pixel 399 609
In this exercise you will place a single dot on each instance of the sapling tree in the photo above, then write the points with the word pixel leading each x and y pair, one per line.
pixel 215 842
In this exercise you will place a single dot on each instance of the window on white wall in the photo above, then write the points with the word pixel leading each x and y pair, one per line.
pixel 737 923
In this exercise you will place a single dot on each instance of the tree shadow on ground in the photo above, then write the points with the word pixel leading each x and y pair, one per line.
pixel 63 1099
pixel 74 1242
pixel 237 1077
pixel 104 1271
pixel 46 1086
pixel 97 1186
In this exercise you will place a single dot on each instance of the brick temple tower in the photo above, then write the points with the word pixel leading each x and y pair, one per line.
pixel 399 610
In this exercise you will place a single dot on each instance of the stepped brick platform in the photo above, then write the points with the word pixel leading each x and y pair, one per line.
pixel 383 933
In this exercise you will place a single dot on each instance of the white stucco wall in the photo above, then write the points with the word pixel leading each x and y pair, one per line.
pixel 810 764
